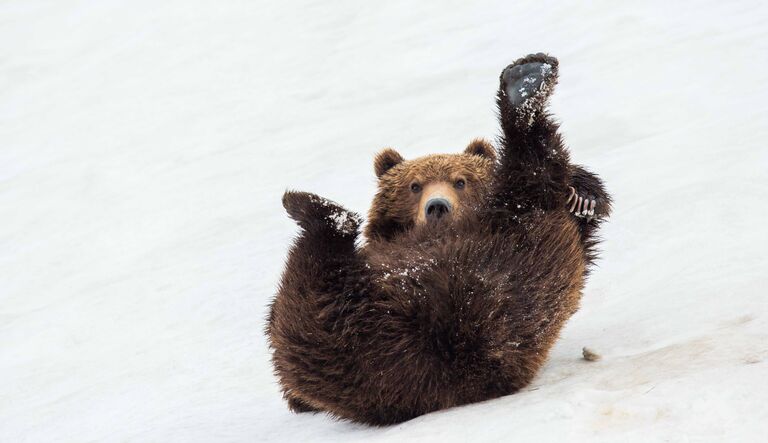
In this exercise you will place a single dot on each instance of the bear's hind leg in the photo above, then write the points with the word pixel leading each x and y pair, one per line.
pixel 321 266
pixel 533 168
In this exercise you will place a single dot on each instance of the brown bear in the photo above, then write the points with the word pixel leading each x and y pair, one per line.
pixel 471 267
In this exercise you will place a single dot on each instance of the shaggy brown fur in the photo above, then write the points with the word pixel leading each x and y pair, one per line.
pixel 434 315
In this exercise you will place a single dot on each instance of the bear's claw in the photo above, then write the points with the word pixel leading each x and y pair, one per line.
pixel 582 207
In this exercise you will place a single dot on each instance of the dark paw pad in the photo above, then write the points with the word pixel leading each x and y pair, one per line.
pixel 529 79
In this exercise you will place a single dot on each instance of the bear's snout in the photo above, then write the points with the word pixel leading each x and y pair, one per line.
pixel 438 200
pixel 437 207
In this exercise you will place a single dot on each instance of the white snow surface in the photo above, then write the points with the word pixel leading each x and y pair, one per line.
pixel 144 148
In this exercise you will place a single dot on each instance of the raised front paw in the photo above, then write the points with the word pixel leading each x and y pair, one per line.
pixel 581 206
pixel 527 84
pixel 315 213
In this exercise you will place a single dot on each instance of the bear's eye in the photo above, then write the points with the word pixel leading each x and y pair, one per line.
pixel 415 187
pixel 460 183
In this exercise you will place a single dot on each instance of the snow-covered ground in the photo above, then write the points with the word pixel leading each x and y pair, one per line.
pixel 144 147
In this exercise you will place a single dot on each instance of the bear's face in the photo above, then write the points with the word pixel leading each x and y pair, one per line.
pixel 429 189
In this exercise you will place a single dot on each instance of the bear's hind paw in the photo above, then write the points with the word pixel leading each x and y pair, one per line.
pixel 527 84
pixel 314 213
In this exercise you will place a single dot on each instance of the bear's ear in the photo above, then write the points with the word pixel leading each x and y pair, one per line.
pixel 386 160
pixel 482 148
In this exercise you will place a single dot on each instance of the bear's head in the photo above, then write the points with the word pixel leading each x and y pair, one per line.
pixel 428 189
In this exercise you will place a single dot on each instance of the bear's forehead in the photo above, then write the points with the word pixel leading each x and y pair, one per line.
pixel 443 166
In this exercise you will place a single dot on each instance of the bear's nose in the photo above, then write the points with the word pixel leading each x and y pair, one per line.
pixel 437 207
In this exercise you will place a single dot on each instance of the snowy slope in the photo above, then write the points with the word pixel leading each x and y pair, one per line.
pixel 144 147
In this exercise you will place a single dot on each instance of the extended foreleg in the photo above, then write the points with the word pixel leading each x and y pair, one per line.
pixel 588 198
